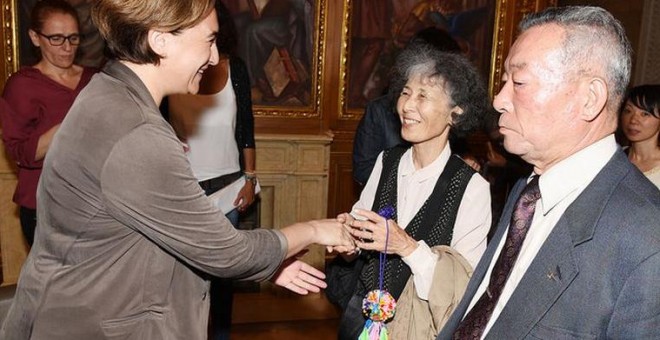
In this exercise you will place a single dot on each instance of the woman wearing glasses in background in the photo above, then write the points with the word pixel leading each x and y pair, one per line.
pixel 39 97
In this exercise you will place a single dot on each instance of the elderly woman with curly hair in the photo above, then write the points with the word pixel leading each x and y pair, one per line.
pixel 441 206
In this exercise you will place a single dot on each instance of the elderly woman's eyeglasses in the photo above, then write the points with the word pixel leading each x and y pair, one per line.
pixel 59 39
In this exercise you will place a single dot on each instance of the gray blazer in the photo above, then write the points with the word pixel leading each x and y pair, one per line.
pixel 124 231
pixel 597 276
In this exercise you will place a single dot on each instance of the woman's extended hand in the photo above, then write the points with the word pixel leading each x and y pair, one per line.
pixel 327 232
pixel 334 234
pixel 371 235
pixel 299 277
pixel 345 219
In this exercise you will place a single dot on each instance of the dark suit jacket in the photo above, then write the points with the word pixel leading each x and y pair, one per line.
pixel 379 129
pixel 597 275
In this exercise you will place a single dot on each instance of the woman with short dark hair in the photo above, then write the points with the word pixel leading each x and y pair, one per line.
pixel 640 122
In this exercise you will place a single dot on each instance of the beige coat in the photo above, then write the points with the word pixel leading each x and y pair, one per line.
pixel 420 319
pixel 124 231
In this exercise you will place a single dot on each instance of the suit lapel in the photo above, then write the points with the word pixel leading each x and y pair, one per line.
pixel 554 267
pixel 547 277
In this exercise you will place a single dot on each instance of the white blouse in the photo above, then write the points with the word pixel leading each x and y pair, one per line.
pixel 414 187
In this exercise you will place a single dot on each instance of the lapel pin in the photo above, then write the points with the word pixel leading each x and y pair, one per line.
pixel 554 275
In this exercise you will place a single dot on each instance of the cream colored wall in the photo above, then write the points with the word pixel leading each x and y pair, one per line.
pixel 13 248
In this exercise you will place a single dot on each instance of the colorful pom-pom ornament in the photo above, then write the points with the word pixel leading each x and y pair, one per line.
pixel 379 305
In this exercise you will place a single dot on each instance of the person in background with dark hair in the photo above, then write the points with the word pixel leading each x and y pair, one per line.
pixel 441 205
pixel 640 122
pixel 39 97
pixel 218 127
pixel 380 127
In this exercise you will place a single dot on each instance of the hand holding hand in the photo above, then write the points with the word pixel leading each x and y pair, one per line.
pixel 331 232
pixel 345 219
pixel 375 229
pixel 299 277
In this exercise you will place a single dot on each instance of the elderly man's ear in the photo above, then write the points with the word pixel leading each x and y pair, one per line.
pixel 595 99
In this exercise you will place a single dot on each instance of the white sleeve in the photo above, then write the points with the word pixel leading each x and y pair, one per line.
pixel 422 263
pixel 473 220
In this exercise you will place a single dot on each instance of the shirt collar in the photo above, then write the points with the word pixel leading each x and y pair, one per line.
pixel 432 170
pixel 575 172
pixel 121 72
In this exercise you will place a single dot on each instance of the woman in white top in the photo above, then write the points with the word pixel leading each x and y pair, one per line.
pixel 438 199
pixel 640 122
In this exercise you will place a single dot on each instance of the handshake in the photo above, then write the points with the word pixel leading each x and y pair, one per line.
pixel 348 234
pixel 373 231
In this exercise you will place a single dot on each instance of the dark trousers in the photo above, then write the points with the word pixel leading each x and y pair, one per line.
pixel 222 299
pixel 222 290
pixel 28 219
pixel 352 320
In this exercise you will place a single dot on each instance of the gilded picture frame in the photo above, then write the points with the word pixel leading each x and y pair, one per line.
pixel 295 94
pixel 282 43
pixel 501 17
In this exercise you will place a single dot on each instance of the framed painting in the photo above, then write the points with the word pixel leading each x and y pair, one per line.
pixel 280 41
pixel 376 30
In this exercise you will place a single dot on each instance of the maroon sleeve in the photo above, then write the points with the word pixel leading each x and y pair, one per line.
pixel 20 119
pixel 36 104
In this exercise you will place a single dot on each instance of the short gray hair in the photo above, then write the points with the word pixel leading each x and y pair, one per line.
pixel 459 78
pixel 593 37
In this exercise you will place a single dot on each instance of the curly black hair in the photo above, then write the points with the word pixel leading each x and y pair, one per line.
pixel 458 76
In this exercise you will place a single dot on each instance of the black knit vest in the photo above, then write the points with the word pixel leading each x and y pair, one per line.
pixel 433 223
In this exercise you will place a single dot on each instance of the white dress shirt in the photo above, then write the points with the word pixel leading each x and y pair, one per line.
pixel 414 187
pixel 654 176
pixel 560 186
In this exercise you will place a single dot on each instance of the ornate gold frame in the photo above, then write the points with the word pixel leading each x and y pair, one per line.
pixel 11 61
pixel 507 14
pixel 9 38
pixel 312 111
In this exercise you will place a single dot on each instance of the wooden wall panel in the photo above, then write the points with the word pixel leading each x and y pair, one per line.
pixel 293 174
pixel 13 248
pixel 344 191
